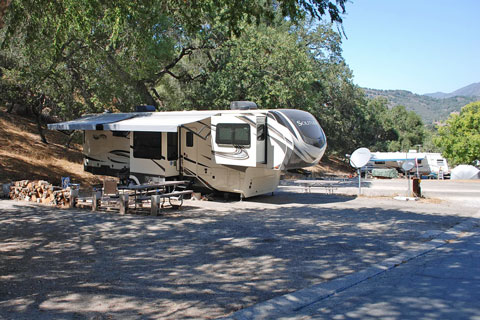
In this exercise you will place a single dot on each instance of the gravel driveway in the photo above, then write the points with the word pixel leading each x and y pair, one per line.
pixel 206 260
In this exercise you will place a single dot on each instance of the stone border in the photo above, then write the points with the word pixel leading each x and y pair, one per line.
pixel 295 301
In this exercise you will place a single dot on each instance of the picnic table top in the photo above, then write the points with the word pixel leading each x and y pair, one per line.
pixel 150 186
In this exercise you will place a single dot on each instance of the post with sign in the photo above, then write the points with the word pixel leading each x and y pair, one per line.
pixel 359 159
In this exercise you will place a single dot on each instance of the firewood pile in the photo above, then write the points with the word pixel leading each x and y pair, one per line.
pixel 40 191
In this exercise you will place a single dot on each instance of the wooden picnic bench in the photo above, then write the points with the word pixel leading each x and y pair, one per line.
pixel 158 200
pixel 135 195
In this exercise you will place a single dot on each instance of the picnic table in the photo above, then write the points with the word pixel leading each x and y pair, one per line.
pixel 161 190
pixel 157 193
pixel 330 186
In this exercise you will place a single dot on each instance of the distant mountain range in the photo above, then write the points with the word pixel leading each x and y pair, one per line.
pixel 431 107
pixel 472 90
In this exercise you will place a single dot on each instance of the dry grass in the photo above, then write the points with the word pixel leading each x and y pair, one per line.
pixel 331 166
pixel 24 156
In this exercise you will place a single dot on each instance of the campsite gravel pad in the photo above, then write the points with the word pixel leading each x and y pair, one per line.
pixel 203 261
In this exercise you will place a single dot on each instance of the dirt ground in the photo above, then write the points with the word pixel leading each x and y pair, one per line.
pixel 206 260
pixel 24 156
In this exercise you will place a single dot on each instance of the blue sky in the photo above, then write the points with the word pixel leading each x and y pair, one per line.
pixel 422 46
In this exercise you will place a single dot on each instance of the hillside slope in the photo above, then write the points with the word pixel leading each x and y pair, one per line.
pixel 24 156
pixel 472 90
pixel 430 109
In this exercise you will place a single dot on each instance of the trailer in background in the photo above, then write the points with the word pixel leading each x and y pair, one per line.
pixel 431 165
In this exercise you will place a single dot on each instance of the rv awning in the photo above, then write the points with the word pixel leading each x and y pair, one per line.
pixel 90 122
pixel 157 122
pixel 145 121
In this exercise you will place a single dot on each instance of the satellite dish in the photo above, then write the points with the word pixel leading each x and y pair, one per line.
pixel 360 157
pixel 408 165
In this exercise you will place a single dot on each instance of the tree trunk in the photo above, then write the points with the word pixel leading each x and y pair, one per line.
pixel 69 140
pixel 145 93
pixel 37 111
pixel 139 85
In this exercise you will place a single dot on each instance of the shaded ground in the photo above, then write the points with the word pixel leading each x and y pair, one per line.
pixel 442 284
pixel 204 261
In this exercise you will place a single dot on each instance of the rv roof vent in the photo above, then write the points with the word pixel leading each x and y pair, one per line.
pixel 145 108
pixel 243 105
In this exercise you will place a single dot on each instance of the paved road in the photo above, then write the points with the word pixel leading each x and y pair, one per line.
pixel 442 284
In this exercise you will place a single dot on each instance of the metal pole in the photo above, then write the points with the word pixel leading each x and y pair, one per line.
pixel 416 164
pixel 359 182
pixel 408 184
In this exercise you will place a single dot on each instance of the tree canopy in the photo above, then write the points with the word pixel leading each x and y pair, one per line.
pixel 459 138
pixel 116 53
pixel 70 57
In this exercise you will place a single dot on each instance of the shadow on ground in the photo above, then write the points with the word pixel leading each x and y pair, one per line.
pixel 443 284
pixel 204 261
pixel 300 198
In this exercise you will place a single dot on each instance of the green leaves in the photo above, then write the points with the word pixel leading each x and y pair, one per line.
pixel 267 64
pixel 115 54
pixel 459 138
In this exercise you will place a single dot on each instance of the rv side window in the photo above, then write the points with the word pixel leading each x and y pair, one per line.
pixel 189 139
pixel 237 134
pixel 440 162
pixel 147 145
pixel 172 146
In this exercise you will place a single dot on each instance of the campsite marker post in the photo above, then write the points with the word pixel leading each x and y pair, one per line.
pixel 407 166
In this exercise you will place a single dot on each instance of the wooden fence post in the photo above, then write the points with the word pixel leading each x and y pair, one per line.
pixel 94 200
pixel 155 204
pixel 123 203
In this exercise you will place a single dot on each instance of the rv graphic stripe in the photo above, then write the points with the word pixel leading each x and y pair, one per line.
pixel 275 131
pixel 115 161
pixel 302 154
pixel 121 153
pixel 239 154
pixel 93 159
pixel 195 133
pixel 247 120
pixel 205 183
pixel 284 121
pixel 160 166
pixel 200 164
pixel 280 143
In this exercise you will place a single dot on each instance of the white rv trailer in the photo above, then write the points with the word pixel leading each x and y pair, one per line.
pixel 238 151
pixel 425 163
